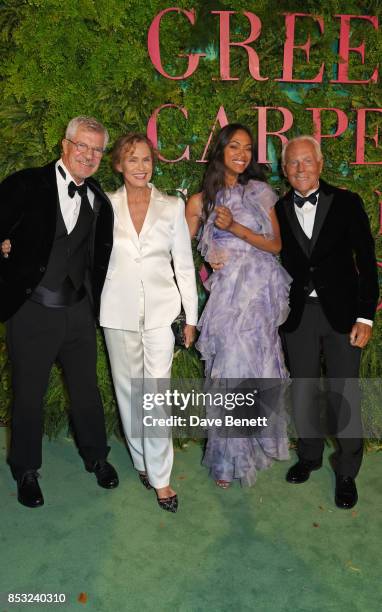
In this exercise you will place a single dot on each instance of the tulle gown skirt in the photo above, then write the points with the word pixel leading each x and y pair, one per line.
pixel 239 340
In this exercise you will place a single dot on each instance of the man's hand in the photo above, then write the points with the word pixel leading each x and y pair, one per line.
pixel 189 335
pixel 360 334
pixel 224 218
pixel 5 248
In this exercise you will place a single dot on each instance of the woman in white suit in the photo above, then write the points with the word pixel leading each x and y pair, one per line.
pixel 140 300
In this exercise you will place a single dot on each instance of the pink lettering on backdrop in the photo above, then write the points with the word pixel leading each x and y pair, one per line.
pixel 292 21
pixel 152 132
pixel 262 129
pixel 361 136
pixel 345 49
pixel 226 44
pixel 342 122
pixel 153 45
pixel 289 46
pixel 222 120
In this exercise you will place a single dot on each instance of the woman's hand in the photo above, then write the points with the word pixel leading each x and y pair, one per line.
pixel 224 218
pixel 216 265
pixel 5 248
pixel 189 335
pixel 225 221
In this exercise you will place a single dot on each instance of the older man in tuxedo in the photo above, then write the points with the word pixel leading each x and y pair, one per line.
pixel 57 233
pixel 328 249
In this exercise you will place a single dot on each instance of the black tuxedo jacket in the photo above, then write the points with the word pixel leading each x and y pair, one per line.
pixel 339 260
pixel 28 213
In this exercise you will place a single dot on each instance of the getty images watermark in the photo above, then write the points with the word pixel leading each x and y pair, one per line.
pixel 193 399
pixel 192 408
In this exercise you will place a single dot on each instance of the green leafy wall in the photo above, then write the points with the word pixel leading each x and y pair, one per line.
pixel 60 59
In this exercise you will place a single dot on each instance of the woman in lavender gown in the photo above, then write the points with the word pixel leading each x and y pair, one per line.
pixel 249 291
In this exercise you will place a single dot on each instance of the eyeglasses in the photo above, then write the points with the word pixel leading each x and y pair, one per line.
pixel 84 148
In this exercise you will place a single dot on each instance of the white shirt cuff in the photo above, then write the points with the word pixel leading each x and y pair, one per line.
pixel 367 321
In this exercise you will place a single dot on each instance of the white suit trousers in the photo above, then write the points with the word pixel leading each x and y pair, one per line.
pixel 142 355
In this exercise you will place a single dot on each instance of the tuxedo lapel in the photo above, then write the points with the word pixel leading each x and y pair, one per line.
pixel 100 197
pixel 323 206
pixel 298 232
pixel 48 193
pixel 97 203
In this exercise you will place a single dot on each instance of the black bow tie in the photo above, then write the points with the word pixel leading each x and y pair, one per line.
pixel 72 188
pixel 300 201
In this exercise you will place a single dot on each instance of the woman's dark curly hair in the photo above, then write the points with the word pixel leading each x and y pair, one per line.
pixel 214 176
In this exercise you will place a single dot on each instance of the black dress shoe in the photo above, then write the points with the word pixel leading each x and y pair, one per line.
pixel 168 503
pixel 346 495
pixel 28 490
pixel 300 472
pixel 106 475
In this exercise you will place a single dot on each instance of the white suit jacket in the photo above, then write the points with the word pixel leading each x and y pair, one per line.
pixel 144 261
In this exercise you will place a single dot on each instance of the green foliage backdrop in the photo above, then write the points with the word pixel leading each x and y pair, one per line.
pixel 61 59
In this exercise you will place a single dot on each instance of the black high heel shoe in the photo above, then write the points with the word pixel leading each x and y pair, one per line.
pixel 145 481
pixel 169 503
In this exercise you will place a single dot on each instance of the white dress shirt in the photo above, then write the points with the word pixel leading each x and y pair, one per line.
pixel 70 207
pixel 306 216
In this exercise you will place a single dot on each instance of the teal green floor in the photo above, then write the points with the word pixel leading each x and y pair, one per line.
pixel 275 547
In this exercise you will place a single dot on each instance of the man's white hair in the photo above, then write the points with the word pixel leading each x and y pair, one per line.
pixel 88 123
pixel 307 138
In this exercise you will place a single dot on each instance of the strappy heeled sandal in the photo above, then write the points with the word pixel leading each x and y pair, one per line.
pixel 168 503
pixel 144 480
pixel 223 484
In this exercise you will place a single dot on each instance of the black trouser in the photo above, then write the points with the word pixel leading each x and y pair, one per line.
pixel 305 346
pixel 37 336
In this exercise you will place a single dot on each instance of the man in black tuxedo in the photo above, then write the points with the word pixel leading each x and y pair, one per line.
pixel 56 228
pixel 328 249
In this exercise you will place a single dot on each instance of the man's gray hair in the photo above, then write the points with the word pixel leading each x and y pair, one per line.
pixel 88 123
pixel 310 139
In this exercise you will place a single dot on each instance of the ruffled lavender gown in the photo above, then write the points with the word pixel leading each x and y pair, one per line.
pixel 239 325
